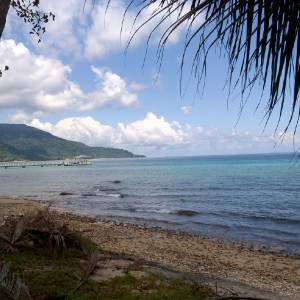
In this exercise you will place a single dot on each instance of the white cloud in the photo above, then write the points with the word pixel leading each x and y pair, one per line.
pixel 35 83
pixel 151 131
pixel 88 28
pixel 199 129
pixel 240 133
pixel 85 129
pixel 80 129
pixel 155 136
pixel 135 86
pixel 111 90
pixel 39 85
pixel 43 126
pixel 104 33
pixel 22 117
pixel 111 31
pixel 186 109
pixel 66 32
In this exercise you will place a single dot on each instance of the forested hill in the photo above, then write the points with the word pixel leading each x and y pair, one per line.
pixel 22 142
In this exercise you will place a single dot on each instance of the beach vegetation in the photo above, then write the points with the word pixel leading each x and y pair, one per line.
pixel 41 258
pixel 11 287
pixel 36 238
pixel 45 277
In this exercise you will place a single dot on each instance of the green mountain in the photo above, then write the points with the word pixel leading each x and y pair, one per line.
pixel 22 142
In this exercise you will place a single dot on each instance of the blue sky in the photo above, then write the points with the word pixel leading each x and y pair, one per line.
pixel 78 84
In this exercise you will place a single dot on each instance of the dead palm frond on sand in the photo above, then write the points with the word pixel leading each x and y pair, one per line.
pixel 43 234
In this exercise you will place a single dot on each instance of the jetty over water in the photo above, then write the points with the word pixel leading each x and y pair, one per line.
pixel 46 163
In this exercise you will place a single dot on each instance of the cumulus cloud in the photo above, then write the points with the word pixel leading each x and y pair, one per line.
pixel 104 34
pixel 85 129
pixel 111 89
pixel 156 136
pixel 39 85
pixel 80 129
pixel 35 83
pixel 111 30
pixel 90 29
pixel 47 126
pixel 151 131
pixel 64 35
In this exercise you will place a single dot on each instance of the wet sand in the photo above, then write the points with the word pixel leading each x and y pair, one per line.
pixel 182 251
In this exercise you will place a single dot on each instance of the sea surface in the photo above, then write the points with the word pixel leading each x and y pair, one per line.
pixel 254 199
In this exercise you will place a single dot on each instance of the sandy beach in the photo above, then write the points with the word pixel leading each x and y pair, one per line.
pixel 183 252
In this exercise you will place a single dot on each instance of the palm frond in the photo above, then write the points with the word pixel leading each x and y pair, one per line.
pixel 56 244
pixel 20 227
pixel 35 228
pixel 260 37
pixel 11 288
pixel 81 273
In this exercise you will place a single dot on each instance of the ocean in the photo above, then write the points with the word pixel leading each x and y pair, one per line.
pixel 252 199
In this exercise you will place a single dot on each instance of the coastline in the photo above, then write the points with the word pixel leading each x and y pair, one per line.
pixel 179 251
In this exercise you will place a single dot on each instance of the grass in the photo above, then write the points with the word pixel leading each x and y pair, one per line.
pixel 55 263
pixel 153 286
pixel 48 277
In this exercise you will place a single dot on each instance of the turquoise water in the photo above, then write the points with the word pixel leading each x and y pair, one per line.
pixel 249 198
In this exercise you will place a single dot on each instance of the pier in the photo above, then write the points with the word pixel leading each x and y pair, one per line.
pixel 47 163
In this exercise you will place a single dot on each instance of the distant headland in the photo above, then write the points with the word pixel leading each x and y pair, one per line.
pixel 22 142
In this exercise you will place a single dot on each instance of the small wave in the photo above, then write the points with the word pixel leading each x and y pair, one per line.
pixel 156 211
pixel 114 195
pixel 100 194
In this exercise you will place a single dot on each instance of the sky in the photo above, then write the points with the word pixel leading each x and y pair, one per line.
pixel 82 83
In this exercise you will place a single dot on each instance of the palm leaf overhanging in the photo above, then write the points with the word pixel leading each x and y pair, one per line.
pixel 260 37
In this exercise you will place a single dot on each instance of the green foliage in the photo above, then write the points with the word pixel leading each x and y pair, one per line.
pixel 21 142
pixel 24 242
pixel 29 239
pixel 46 278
